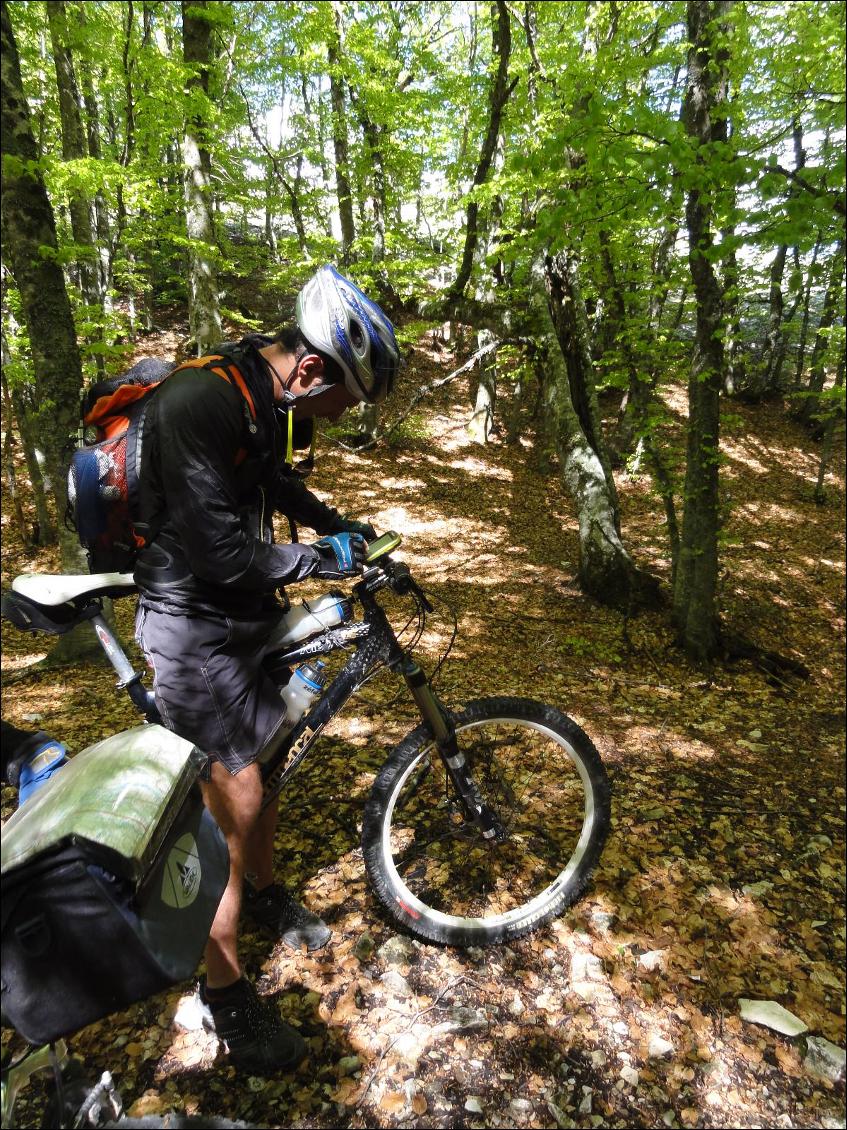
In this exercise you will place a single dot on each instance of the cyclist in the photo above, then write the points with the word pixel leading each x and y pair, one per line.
pixel 213 471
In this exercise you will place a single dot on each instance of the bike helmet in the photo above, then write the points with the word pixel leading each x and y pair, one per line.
pixel 337 319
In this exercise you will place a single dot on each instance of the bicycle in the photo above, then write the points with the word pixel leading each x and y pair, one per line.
pixel 483 824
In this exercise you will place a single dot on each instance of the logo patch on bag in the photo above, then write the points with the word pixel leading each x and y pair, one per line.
pixel 181 878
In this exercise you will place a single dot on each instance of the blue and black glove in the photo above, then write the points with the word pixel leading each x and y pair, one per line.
pixel 342 555
pixel 351 526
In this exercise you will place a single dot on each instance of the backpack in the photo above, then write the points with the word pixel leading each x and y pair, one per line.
pixel 103 478
pixel 111 877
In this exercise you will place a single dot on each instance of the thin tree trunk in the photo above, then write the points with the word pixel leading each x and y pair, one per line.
pixel 203 299
pixel 810 401
pixel 481 423
pixel 498 96
pixel 834 420
pixel 339 139
pixel 95 151
pixel 28 227
pixel 567 308
pixel 9 462
pixel 695 588
pixel 74 147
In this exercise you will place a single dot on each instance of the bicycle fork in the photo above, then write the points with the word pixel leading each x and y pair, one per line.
pixel 439 722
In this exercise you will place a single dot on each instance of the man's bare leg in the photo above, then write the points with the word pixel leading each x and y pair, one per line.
pixel 235 803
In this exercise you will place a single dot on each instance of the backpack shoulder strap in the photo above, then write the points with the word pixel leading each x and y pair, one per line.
pixel 226 369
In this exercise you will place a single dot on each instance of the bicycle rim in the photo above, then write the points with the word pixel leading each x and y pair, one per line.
pixel 547 786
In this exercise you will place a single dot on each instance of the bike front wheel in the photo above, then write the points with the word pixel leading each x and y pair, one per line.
pixel 430 865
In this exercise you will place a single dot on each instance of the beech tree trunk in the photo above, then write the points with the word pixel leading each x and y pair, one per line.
pixel 606 571
pixel 695 588
pixel 810 402
pixel 203 302
pixel 498 96
pixel 339 141
pixel 74 147
pixel 28 227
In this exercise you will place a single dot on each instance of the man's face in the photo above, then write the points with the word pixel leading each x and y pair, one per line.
pixel 330 403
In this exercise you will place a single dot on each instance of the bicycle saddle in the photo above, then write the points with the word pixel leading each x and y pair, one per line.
pixel 55 603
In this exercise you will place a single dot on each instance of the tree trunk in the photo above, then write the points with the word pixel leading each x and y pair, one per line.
pixel 480 425
pixel 74 148
pixel 695 588
pixel 606 571
pixel 24 532
pixel 810 402
pixel 804 322
pixel 498 95
pixel 203 298
pixel 834 420
pixel 101 215
pixel 339 140
pixel 28 228
pixel 567 309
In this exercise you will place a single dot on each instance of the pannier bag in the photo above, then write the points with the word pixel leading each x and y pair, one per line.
pixel 111 876
pixel 103 477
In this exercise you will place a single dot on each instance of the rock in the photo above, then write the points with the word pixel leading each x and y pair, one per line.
pixel 364 947
pixel 464 1019
pixel 825 1059
pixel 598 1058
pixel 348 1064
pixel 516 1005
pixel 652 960
pixel 757 889
pixel 476 953
pixel 602 921
pixel 585 1105
pixel 562 1119
pixel 396 983
pixel 588 990
pixel 473 1105
pixel 630 1076
pixel 658 1047
pixel 520 1106
pixel 771 1015
pixel 397 951
pixel 586 967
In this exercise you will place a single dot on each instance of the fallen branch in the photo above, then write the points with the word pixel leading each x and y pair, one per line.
pixel 425 390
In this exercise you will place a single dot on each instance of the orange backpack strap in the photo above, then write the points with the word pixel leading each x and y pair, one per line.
pixel 228 370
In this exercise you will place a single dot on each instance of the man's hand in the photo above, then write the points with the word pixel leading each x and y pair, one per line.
pixel 351 526
pixel 342 555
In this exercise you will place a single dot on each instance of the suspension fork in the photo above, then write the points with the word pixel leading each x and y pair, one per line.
pixel 439 722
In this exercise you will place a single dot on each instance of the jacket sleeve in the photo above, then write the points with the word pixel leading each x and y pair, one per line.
pixel 200 431
pixel 294 499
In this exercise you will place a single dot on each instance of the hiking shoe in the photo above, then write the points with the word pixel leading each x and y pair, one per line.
pixel 255 1036
pixel 278 911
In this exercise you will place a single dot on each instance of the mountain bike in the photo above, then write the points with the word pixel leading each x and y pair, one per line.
pixel 484 823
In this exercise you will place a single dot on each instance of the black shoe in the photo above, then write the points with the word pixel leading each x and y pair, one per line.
pixel 275 909
pixel 255 1036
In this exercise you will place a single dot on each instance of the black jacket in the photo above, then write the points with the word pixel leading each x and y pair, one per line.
pixel 211 478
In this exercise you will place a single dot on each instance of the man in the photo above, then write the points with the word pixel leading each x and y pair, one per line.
pixel 215 465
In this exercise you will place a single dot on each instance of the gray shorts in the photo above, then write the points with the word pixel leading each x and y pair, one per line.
pixel 209 682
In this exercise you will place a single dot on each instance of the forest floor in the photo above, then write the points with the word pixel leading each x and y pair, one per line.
pixel 722 879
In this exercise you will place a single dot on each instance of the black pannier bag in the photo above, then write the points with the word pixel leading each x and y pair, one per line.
pixel 111 876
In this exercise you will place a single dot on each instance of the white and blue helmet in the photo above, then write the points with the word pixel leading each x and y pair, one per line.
pixel 336 318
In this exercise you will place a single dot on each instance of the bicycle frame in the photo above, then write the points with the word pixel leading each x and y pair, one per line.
pixel 374 641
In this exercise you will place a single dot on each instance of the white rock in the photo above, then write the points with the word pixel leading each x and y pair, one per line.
pixel 516 1005
pixel 652 960
pixel 586 967
pixel 771 1015
pixel 658 1047
pixel 585 1105
pixel 598 1058
pixel 825 1059
pixel 473 1105
pixel 630 1075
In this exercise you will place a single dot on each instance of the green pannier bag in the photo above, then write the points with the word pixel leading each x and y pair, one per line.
pixel 111 876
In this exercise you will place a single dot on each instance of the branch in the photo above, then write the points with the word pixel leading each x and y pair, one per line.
pixel 425 390
pixel 836 200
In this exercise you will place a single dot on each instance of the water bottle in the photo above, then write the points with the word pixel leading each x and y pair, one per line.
pixel 302 689
pixel 311 617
